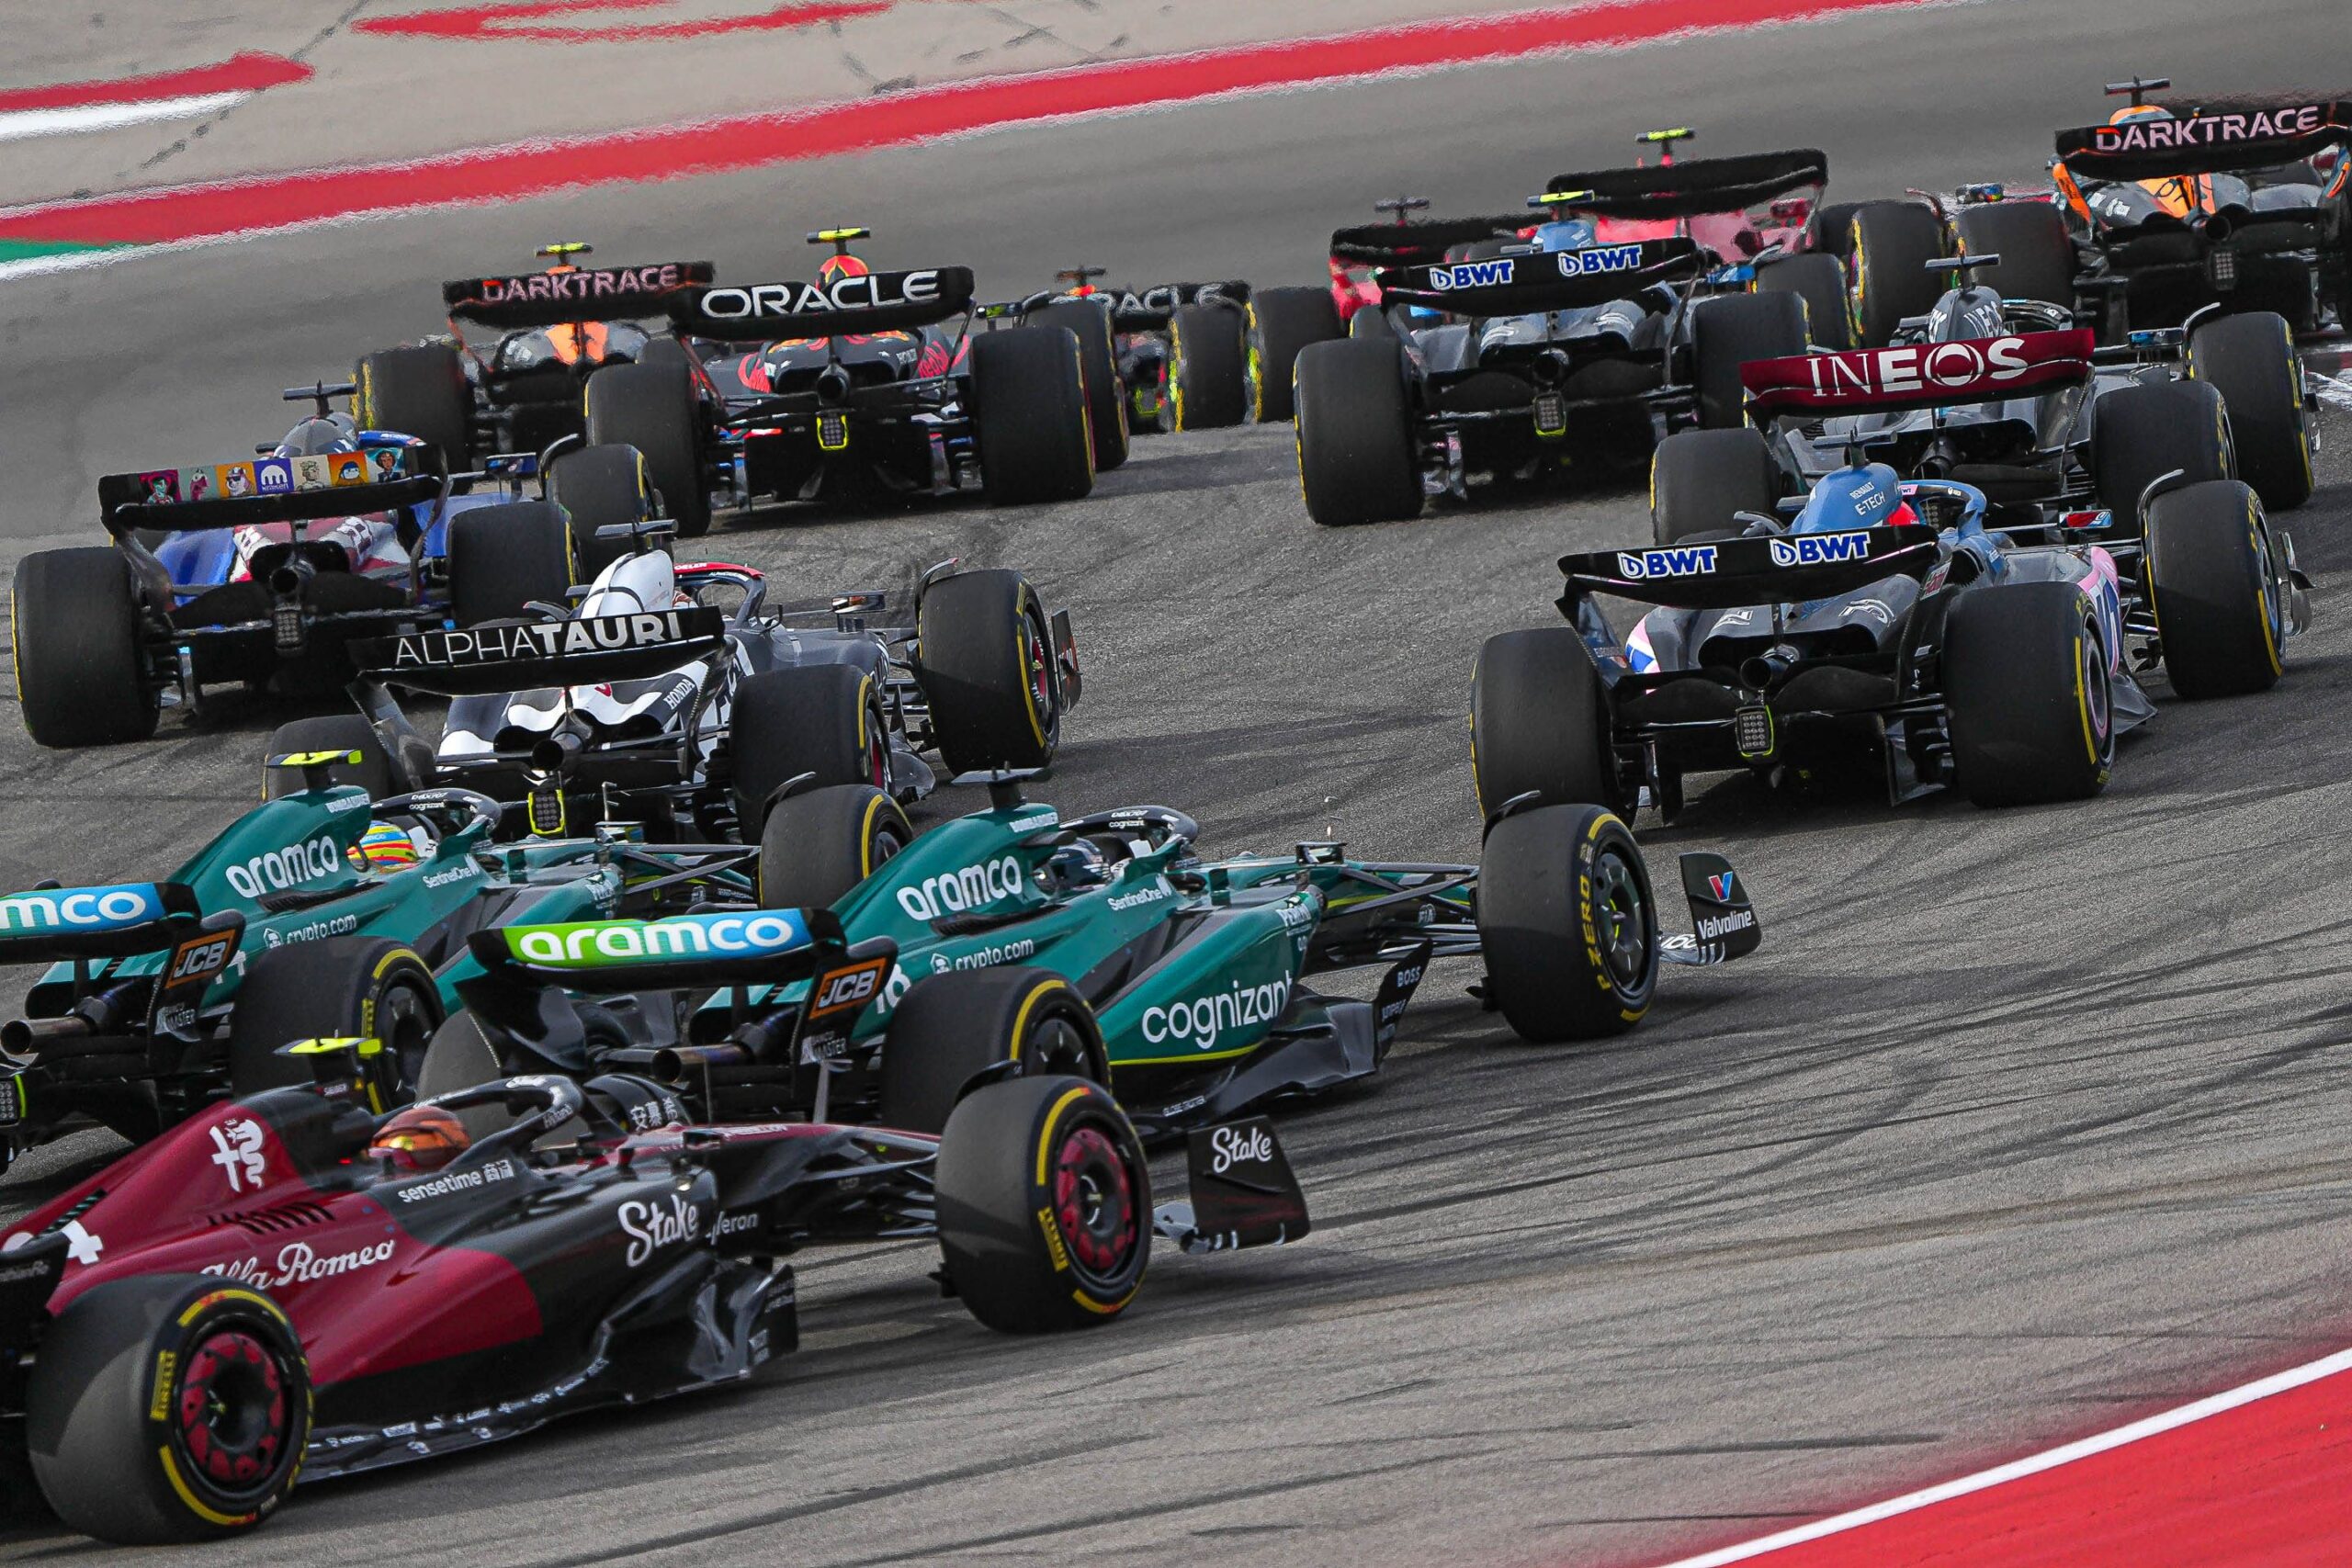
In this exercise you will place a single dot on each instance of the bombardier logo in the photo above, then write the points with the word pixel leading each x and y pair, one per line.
pixel 2200 131
pixel 1820 549
pixel 954 892
pixel 868 291
pixel 1601 258
pixel 1640 566
pixel 290 867
pixel 1472 275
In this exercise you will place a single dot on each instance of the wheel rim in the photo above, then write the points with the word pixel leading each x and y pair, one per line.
pixel 878 752
pixel 1058 1046
pixel 1094 1203
pixel 2273 611
pixel 1038 665
pixel 1621 919
pixel 235 1416
pixel 405 1021
pixel 2097 698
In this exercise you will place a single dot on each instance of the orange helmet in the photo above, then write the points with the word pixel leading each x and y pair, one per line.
pixel 423 1137
pixel 2178 195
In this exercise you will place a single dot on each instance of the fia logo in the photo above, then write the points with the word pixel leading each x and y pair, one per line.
pixel 236 1149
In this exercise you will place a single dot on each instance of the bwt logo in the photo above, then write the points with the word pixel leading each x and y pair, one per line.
pixel 1820 549
pixel 1472 274
pixel 1637 566
pixel 1601 258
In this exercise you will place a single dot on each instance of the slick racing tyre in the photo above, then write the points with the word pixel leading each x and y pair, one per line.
pixel 1539 722
pixel 2037 253
pixel 1890 245
pixel 505 557
pixel 1098 362
pixel 1044 1205
pixel 824 719
pixel 2251 361
pixel 1820 281
pixel 2140 433
pixel 600 487
pixel 1701 478
pixel 985 659
pixel 654 407
pixel 344 988
pixel 2027 691
pixel 2213 584
pixel 1029 411
pixel 1011 1022
pixel 420 390
pixel 167 1407
pixel 1726 333
pixel 330 732
pixel 1566 922
pixel 1359 457
pixel 74 627
pixel 1283 321
pixel 1369 321
pixel 818 844
pixel 1208 376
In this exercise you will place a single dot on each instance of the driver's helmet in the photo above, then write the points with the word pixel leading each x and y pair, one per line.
pixel 1863 497
pixel 317 437
pixel 1078 863
pixel 841 265
pixel 1573 232
pixel 2174 194
pixel 423 1137
pixel 384 847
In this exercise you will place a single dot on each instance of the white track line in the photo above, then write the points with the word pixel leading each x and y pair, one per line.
pixel 2033 1464
pixel 64 121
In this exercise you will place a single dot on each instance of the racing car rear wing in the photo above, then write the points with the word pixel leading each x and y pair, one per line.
pixel 273 490
pixel 1542 280
pixel 521 656
pixel 1148 309
pixel 857 302
pixel 730 947
pixel 1695 188
pixel 1728 573
pixel 597 294
pixel 1917 376
pixel 2209 139
pixel 1420 242
pixel 57 923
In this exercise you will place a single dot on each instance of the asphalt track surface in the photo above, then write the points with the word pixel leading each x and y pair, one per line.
pixel 2020 1124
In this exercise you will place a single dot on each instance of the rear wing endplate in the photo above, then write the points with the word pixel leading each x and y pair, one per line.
pixel 1773 570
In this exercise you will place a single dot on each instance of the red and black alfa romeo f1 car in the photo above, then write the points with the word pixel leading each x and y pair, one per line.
pixel 294 1284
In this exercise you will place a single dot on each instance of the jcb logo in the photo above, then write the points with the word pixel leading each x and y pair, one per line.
pixel 198 959
pixel 846 989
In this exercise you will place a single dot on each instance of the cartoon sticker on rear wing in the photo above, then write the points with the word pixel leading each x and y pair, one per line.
pixel 582 294
pixel 1542 280
pixel 1917 375
pixel 1782 568
pixel 851 302
pixel 273 490
pixel 2209 139
pixel 1695 188
pixel 527 655
pixel 119 920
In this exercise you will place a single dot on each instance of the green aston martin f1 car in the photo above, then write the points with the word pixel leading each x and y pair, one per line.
pixel 318 913
pixel 1014 941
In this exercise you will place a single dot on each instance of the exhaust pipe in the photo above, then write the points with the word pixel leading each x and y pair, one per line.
pixel 674 1063
pixel 1758 671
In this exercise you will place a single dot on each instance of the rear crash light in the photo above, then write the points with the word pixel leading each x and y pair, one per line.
pixel 285 624
pixel 833 431
pixel 1751 731
pixel 1551 413
pixel 2221 267
pixel 545 807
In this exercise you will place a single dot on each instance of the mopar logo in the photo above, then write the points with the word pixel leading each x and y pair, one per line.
pixel 586 944
pixel 1820 549
pixel 1472 274
pixel 959 890
pixel 84 909
pixel 1637 566
pixel 290 867
pixel 1601 258
pixel 1204 1021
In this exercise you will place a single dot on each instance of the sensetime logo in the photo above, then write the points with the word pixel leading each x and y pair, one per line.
pixel 589 945
pixel 80 909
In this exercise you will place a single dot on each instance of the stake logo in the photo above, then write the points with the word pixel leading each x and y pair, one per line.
pixel 1640 566
pixel 1820 549
pixel 650 1227
pixel 1229 1146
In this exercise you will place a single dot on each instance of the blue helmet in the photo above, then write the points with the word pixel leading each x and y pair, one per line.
pixel 1854 498
pixel 1567 234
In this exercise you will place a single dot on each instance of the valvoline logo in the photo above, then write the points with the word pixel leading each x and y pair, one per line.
pixel 1600 258
pixel 1720 886
pixel 1472 275
pixel 1637 566
pixel 1820 549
